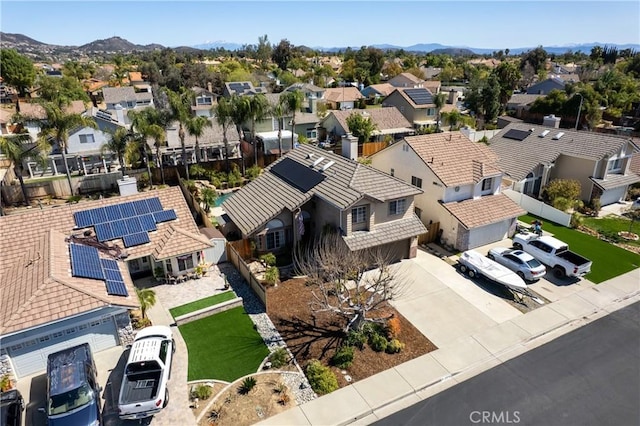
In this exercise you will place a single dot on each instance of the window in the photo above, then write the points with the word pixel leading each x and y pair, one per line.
pixel 95 323
pixel 16 347
pixel 418 212
pixel 405 147
pixel 275 239
pixel 43 339
pixel 487 184
pixel 58 334
pixel 431 111
pixel 83 326
pixel 416 181
pixel 615 165
pixel 312 134
pixel 168 265
pixel 359 214
pixel 29 343
pixel 397 207
pixel 87 138
pixel 185 262
pixel 70 330
pixel 393 172
pixel 144 260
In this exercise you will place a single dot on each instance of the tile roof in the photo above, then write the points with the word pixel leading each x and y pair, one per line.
pixel 453 158
pixel 175 242
pixel 385 233
pixel 115 95
pixel 342 94
pixel 474 213
pixel 405 77
pixel 615 181
pixel 35 264
pixel 402 92
pixel 345 182
pixel 519 158
pixel 384 118
pixel 36 111
pixel 384 89
pixel 523 99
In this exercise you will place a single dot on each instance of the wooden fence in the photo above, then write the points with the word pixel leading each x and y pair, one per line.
pixel 370 148
pixel 431 235
pixel 236 259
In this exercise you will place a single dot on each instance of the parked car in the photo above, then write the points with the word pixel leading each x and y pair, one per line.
pixel 73 393
pixel 553 253
pixel 528 267
pixel 11 408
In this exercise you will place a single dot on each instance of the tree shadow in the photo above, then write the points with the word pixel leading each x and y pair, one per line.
pixel 37 400
pixel 305 338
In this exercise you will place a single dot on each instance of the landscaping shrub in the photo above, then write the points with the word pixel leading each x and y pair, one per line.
pixel 356 339
pixel 143 181
pixel 201 392
pixel 139 323
pixel 74 199
pixel 253 172
pixel 268 259
pixel 284 399
pixel 394 346
pixel 321 378
pixel 393 327
pixel 280 388
pixel 378 342
pixel 271 275
pixel 343 358
pixel 247 385
pixel 197 171
pixel 279 358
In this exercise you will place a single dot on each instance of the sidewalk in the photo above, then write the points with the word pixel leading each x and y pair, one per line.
pixel 468 354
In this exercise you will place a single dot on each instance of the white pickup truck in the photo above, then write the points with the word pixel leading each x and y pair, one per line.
pixel 553 253
pixel 144 384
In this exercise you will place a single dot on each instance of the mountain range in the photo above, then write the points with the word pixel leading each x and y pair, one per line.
pixel 26 45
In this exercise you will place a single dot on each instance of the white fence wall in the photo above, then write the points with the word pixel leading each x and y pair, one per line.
pixel 538 208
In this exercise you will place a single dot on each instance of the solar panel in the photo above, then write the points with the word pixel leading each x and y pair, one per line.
pixel 147 222
pixel 165 215
pixel 113 212
pixel 99 215
pixel 127 210
pixel 296 174
pixel 85 262
pixel 154 204
pixel 516 134
pixel 104 232
pixel 119 228
pixel 116 288
pixel 112 275
pixel 133 225
pixel 131 240
pixel 109 264
pixel 420 96
pixel 141 207
pixel 83 218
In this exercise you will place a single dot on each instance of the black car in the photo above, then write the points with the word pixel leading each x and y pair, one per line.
pixel 11 408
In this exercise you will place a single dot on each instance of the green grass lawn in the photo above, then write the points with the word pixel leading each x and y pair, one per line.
pixel 202 303
pixel 611 225
pixel 608 260
pixel 223 346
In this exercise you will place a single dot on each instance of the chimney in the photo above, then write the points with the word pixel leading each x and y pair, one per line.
pixel 453 96
pixel 210 87
pixel 350 146
pixel 551 121
pixel 313 104
pixel 127 186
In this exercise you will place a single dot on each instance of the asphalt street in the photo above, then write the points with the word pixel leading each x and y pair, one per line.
pixel 590 376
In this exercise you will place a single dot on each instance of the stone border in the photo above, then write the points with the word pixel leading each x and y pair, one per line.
pixel 208 311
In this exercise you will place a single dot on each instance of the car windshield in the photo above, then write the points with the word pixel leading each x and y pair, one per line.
pixel 69 401
pixel 534 263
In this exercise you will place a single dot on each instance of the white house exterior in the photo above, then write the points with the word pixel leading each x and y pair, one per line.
pixel 461 187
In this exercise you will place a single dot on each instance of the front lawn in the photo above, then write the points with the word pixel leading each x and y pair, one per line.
pixel 608 260
pixel 609 226
pixel 224 346
pixel 202 303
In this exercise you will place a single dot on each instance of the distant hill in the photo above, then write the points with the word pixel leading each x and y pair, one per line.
pixel 8 38
pixel 218 44
pixel 116 44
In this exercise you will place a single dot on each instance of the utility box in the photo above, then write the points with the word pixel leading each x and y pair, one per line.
pixel 128 185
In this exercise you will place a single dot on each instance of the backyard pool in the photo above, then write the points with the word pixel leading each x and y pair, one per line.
pixel 221 198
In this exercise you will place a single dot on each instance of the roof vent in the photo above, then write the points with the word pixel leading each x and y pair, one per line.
pixel 532 130
pixel 329 164
pixel 318 161
pixel 309 155
pixel 545 133
pixel 558 136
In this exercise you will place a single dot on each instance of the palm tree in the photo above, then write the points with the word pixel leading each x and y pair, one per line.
pixel 240 114
pixel 209 197
pixel 293 100
pixel 452 118
pixel 439 101
pixel 56 127
pixel 118 145
pixel 147 298
pixel 180 103
pixel 223 112
pixel 140 124
pixel 12 146
pixel 195 127
pixel 279 110
pixel 157 133
pixel 258 110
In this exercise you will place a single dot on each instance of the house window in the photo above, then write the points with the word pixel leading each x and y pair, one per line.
pixel 87 138
pixel 185 262
pixel 168 266
pixel 405 147
pixel 418 212
pixel 431 111
pixel 58 334
pixel 359 214
pixel 614 165
pixel 312 134
pixel 415 181
pixel 487 184
pixel 397 207
pixel 393 172
pixel 71 330
pixel 204 101
pixel 130 104
pixel 275 239
pixel 43 339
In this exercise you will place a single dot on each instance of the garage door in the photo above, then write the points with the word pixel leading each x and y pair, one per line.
pixel 30 356
pixel 611 196
pixel 488 234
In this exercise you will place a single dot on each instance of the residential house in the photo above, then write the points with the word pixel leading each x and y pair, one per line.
pixel 406 79
pixel 67 279
pixel 310 91
pixel 211 144
pixel 521 102
pixel 546 86
pixel 377 91
pixel 311 190
pixel 430 72
pixel 416 104
pixel 203 101
pixel 342 97
pixel 461 184
pixel 533 155
pixel 389 123
pixel 306 119
pixel 120 100
pixel 241 88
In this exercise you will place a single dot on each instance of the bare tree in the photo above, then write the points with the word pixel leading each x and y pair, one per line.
pixel 353 285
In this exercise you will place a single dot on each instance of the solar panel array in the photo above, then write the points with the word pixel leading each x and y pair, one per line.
pixel 516 134
pixel 125 220
pixel 239 88
pixel 296 174
pixel 420 96
pixel 86 263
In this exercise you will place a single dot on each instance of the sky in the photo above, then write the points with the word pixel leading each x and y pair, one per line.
pixel 479 24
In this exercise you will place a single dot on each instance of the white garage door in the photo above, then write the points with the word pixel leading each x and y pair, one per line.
pixel 30 356
pixel 611 196
pixel 488 234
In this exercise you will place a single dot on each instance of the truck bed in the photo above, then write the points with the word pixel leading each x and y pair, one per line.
pixel 574 258
pixel 140 387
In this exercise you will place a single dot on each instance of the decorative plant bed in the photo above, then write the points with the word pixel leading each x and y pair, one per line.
pixel 628 235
